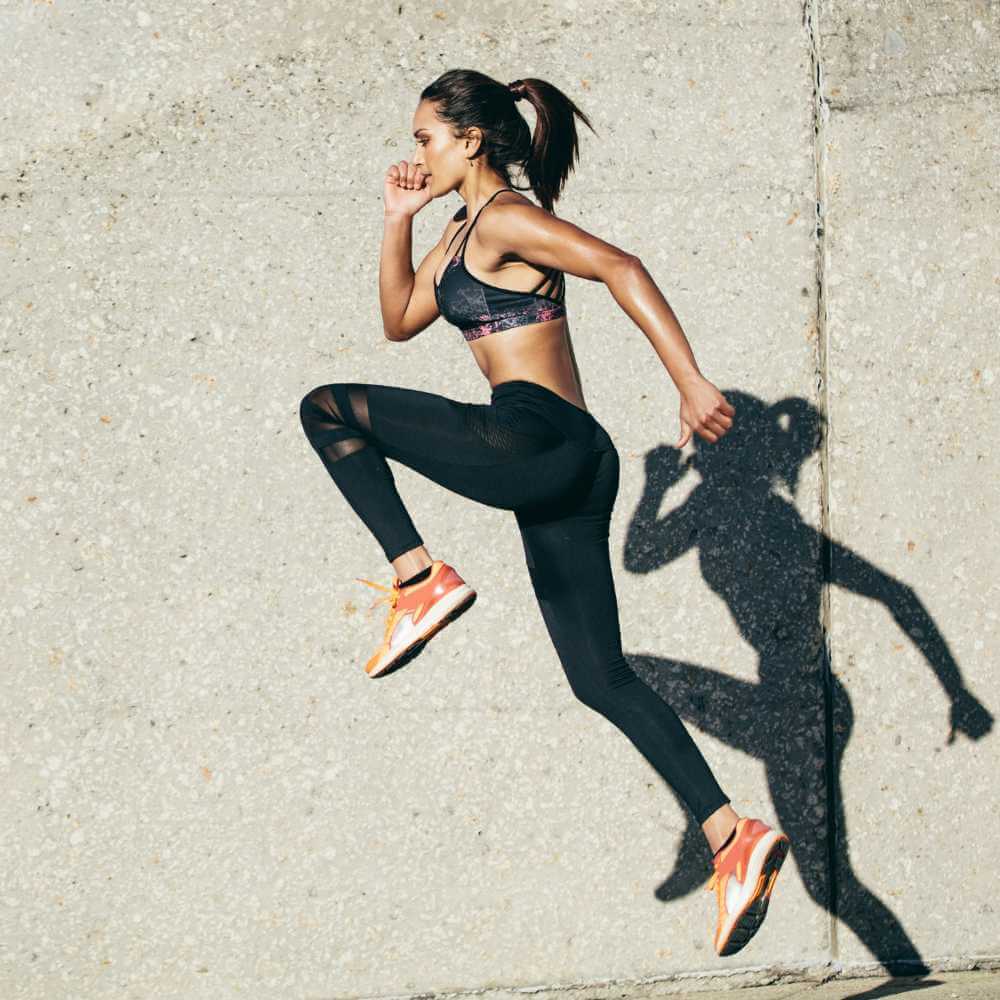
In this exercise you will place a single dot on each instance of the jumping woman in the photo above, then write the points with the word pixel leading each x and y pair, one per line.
pixel 535 448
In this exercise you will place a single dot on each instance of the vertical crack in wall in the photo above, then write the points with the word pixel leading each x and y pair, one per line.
pixel 821 114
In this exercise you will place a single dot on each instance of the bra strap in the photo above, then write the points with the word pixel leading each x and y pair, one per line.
pixel 465 239
pixel 452 240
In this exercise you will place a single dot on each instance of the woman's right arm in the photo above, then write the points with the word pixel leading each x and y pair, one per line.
pixel 407 299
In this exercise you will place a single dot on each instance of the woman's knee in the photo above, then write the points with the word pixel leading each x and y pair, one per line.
pixel 347 402
pixel 319 407
pixel 599 684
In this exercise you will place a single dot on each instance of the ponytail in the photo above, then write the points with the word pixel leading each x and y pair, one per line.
pixel 555 145
pixel 467 98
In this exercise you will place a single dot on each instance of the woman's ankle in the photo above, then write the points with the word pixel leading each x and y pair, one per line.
pixel 719 827
pixel 409 564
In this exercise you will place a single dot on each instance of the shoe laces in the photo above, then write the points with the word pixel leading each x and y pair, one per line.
pixel 391 596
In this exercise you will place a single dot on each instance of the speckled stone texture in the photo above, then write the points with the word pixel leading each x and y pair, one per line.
pixel 204 796
pixel 912 159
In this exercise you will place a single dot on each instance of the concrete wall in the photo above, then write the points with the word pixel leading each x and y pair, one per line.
pixel 203 793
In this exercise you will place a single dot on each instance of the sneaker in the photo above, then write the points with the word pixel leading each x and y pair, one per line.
pixel 416 613
pixel 743 879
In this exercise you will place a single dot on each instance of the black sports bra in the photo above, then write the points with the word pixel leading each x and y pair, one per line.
pixel 478 309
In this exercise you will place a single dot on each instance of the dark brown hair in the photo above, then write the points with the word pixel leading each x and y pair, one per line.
pixel 466 97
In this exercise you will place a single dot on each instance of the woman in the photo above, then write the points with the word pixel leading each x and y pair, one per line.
pixel 534 449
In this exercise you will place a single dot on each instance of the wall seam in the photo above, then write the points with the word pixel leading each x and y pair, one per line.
pixel 821 114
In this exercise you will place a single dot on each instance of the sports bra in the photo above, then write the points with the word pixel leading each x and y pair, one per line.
pixel 478 309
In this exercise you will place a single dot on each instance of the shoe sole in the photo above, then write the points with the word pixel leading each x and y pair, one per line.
pixel 755 909
pixel 448 611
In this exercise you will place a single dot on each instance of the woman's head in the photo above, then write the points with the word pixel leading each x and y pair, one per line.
pixel 469 121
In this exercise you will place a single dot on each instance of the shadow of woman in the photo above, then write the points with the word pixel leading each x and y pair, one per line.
pixel 770 567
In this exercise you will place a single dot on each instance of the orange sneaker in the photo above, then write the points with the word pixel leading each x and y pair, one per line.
pixel 743 879
pixel 416 613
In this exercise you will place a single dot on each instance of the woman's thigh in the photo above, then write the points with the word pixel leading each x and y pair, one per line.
pixel 569 564
pixel 499 456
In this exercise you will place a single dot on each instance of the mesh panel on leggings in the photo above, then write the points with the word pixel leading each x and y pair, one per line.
pixel 504 436
pixel 332 435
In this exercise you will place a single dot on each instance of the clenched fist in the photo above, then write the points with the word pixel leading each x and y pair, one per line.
pixel 407 189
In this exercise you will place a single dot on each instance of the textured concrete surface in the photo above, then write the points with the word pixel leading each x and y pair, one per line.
pixel 204 795
pixel 910 258
pixel 940 986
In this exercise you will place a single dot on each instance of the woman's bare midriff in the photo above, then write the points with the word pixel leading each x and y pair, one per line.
pixel 539 352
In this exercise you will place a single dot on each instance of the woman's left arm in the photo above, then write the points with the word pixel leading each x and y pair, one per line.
pixel 539 237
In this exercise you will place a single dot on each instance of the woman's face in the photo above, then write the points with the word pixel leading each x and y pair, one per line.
pixel 438 152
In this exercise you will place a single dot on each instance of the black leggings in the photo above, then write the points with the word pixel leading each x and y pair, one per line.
pixel 530 451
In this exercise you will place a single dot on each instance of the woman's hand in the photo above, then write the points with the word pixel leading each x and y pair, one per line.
pixel 407 189
pixel 703 409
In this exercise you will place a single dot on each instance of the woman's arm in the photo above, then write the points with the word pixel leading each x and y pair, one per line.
pixel 544 240
pixel 407 300
pixel 635 291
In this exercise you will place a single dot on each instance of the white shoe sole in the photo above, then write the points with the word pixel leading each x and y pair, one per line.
pixel 445 610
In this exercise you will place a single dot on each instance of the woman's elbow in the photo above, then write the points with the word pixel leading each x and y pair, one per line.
pixel 621 265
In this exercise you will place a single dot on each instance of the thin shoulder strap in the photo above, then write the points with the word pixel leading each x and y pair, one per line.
pixel 465 239
pixel 452 240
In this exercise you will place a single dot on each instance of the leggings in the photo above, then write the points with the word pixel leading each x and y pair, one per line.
pixel 550 462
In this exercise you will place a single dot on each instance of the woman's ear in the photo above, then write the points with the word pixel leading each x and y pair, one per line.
pixel 473 140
